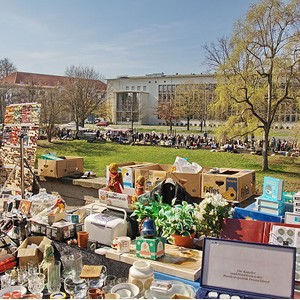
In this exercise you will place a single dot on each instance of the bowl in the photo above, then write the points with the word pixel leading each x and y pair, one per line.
pixel 126 290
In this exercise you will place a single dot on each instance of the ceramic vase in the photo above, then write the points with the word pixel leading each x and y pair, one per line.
pixel 184 241
pixel 141 274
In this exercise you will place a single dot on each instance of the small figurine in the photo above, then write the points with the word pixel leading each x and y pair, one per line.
pixel 115 181
pixel 140 186
pixel 48 259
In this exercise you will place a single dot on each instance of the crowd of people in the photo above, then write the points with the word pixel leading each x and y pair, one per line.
pixel 188 141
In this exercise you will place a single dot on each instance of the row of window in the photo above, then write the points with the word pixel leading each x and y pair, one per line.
pixel 138 88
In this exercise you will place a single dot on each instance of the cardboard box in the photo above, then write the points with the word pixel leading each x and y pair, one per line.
pixel 117 199
pixel 192 183
pixel 57 217
pixel 273 188
pixel 33 255
pixel 233 184
pixel 154 174
pixel 69 166
pixel 150 248
pixel 128 172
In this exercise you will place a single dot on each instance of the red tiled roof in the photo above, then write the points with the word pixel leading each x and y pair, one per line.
pixel 39 79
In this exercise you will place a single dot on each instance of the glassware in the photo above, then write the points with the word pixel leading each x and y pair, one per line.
pixel 36 284
pixel 110 281
pixel 76 289
pixel 5 281
pixel 41 201
pixel 53 274
pixel 98 282
pixel 72 265
pixel 22 275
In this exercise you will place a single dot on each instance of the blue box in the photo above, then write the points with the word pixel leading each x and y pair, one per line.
pixel 273 188
pixel 251 213
pixel 246 270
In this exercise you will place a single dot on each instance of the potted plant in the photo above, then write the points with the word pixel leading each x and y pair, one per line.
pixel 177 222
pixel 150 209
pixel 210 213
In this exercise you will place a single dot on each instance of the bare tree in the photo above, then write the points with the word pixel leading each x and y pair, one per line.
pixel 6 67
pixel 258 68
pixel 52 106
pixel 84 92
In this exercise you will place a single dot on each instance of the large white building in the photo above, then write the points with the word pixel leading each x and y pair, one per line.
pixel 135 98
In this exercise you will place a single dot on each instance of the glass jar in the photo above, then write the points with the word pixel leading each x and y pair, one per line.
pixel 41 201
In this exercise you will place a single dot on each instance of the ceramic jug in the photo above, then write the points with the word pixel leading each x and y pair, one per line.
pixel 141 274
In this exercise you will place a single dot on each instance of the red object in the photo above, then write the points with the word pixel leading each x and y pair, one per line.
pixel 102 123
pixel 114 182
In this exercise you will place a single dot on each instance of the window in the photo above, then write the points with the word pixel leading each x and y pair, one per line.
pixel 127 88
pixel 138 88
pixel 132 87
pixel 144 88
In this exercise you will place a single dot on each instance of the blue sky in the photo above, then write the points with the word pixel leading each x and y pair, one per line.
pixel 115 37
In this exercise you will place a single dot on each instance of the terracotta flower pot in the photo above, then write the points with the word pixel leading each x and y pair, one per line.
pixel 83 239
pixel 184 241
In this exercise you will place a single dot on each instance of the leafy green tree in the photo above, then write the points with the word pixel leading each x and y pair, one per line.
pixel 258 67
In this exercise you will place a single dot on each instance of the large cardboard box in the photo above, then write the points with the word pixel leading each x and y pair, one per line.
pixel 192 183
pixel 233 184
pixel 128 172
pixel 69 166
pixel 32 255
pixel 154 174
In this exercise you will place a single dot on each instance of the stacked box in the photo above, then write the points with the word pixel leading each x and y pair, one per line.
pixel 296 201
pixel 272 200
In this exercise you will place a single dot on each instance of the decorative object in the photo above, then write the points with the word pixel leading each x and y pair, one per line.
pixel 148 228
pixel 152 248
pixel 178 219
pixel 83 239
pixel 115 182
pixel 141 274
pixel 48 260
pixel 122 244
pixel 36 284
pixel 210 213
pixel 24 207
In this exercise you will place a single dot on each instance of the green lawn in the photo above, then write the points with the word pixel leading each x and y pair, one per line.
pixel 98 155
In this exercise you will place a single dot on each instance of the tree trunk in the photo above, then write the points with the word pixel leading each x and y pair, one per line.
pixel 188 124
pixel 265 165
pixel 171 126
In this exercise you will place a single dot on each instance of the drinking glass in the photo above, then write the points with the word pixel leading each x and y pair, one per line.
pixel 76 289
pixel 5 281
pixel 98 282
pixel 72 265
pixel 36 284
pixel 110 281
pixel 22 276
pixel 53 274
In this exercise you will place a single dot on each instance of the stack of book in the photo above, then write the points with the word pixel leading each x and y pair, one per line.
pixel 272 200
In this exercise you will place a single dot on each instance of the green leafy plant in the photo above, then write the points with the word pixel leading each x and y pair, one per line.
pixel 210 213
pixel 150 210
pixel 178 219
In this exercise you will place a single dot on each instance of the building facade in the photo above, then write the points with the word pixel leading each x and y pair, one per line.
pixel 135 98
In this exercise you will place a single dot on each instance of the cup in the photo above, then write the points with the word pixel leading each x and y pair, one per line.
pixel 95 293
pixel 53 274
pixel 83 239
pixel 112 296
pixel 110 281
pixel 122 244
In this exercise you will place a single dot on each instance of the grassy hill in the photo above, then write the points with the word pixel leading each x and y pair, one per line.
pixel 98 155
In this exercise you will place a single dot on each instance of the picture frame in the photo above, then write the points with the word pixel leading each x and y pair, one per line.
pixel 24 207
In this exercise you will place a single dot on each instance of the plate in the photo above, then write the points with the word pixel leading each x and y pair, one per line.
pixel 21 289
pixel 177 288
